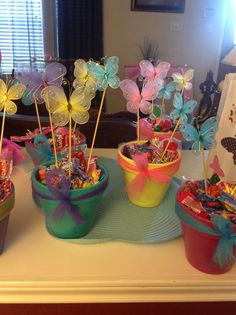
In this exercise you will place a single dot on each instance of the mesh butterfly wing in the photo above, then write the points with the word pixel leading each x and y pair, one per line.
pixel 105 75
pixel 147 69
pixel 182 80
pixel 84 81
pixel 131 94
pixel 166 91
pixel 111 69
pixel 207 132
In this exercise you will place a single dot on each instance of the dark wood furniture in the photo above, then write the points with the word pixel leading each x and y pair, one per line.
pixel 113 129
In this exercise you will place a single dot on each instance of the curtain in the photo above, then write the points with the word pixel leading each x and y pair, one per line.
pixel 80 35
pixel 80 29
pixel 21 35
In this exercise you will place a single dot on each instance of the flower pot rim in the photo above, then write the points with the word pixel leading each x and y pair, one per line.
pixel 205 221
pixel 151 165
pixel 72 191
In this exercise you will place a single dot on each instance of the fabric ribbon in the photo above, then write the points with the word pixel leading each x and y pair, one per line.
pixel 146 131
pixel 65 201
pixel 223 228
pixel 158 175
pixel 30 136
pixel 14 148
pixel 40 151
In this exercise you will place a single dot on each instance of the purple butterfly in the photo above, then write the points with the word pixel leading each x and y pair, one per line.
pixel 35 81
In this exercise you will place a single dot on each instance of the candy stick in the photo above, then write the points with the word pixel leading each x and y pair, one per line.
pixel 53 139
pixel 163 110
pixel 138 129
pixel 204 169
pixel 37 113
pixel 52 131
pixel 96 127
pixel 70 132
pixel 2 129
pixel 171 137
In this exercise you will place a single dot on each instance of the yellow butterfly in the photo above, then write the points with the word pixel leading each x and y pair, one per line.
pixel 9 94
pixel 182 80
pixel 84 81
pixel 61 109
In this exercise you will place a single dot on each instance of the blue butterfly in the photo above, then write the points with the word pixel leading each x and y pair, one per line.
pixel 182 109
pixel 166 91
pixel 105 75
pixel 203 138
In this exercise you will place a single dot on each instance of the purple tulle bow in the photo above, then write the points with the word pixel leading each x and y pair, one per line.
pixel 62 194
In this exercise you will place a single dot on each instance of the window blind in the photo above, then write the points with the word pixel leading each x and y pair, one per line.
pixel 21 33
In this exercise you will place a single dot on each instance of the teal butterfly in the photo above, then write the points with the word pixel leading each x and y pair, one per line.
pixel 105 75
pixel 204 138
pixel 166 91
pixel 182 109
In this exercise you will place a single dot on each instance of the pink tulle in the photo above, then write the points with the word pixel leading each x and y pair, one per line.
pixel 14 148
pixel 137 184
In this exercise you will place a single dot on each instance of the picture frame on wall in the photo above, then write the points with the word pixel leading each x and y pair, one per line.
pixel 171 6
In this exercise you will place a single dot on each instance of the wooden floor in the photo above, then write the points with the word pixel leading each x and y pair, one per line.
pixel 228 308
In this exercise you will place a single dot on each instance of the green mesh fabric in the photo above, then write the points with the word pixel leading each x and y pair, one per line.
pixel 118 219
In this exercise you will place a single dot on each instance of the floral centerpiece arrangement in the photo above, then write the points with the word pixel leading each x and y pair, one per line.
pixel 150 165
pixel 43 142
pixel 158 123
pixel 69 188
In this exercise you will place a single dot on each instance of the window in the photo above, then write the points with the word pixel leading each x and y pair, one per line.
pixel 234 10
pixel 21 33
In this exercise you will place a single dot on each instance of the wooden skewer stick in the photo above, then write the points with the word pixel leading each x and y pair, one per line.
pixel 70 135
pixel 204 169
pixel 53 139
pixel 52 130
pixel 37 113
pixel 171 137
pixel 2 129
pixel 163 111
pixel 95 131
pixel 138 129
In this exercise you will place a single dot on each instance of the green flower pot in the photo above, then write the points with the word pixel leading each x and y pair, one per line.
pixel 62 216
pixel 5 208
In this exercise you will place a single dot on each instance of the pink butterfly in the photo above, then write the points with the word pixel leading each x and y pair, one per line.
pixel 150 72
pixel 35 81
pixel 137 100
pixel 215 166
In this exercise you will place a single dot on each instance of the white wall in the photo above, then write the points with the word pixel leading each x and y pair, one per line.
pixel 197 44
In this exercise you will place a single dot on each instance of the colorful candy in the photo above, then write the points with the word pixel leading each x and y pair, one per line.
pixel 153 150
pixel 80 178
pixel 220 198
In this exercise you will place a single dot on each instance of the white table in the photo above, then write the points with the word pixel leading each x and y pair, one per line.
pixel 36 267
